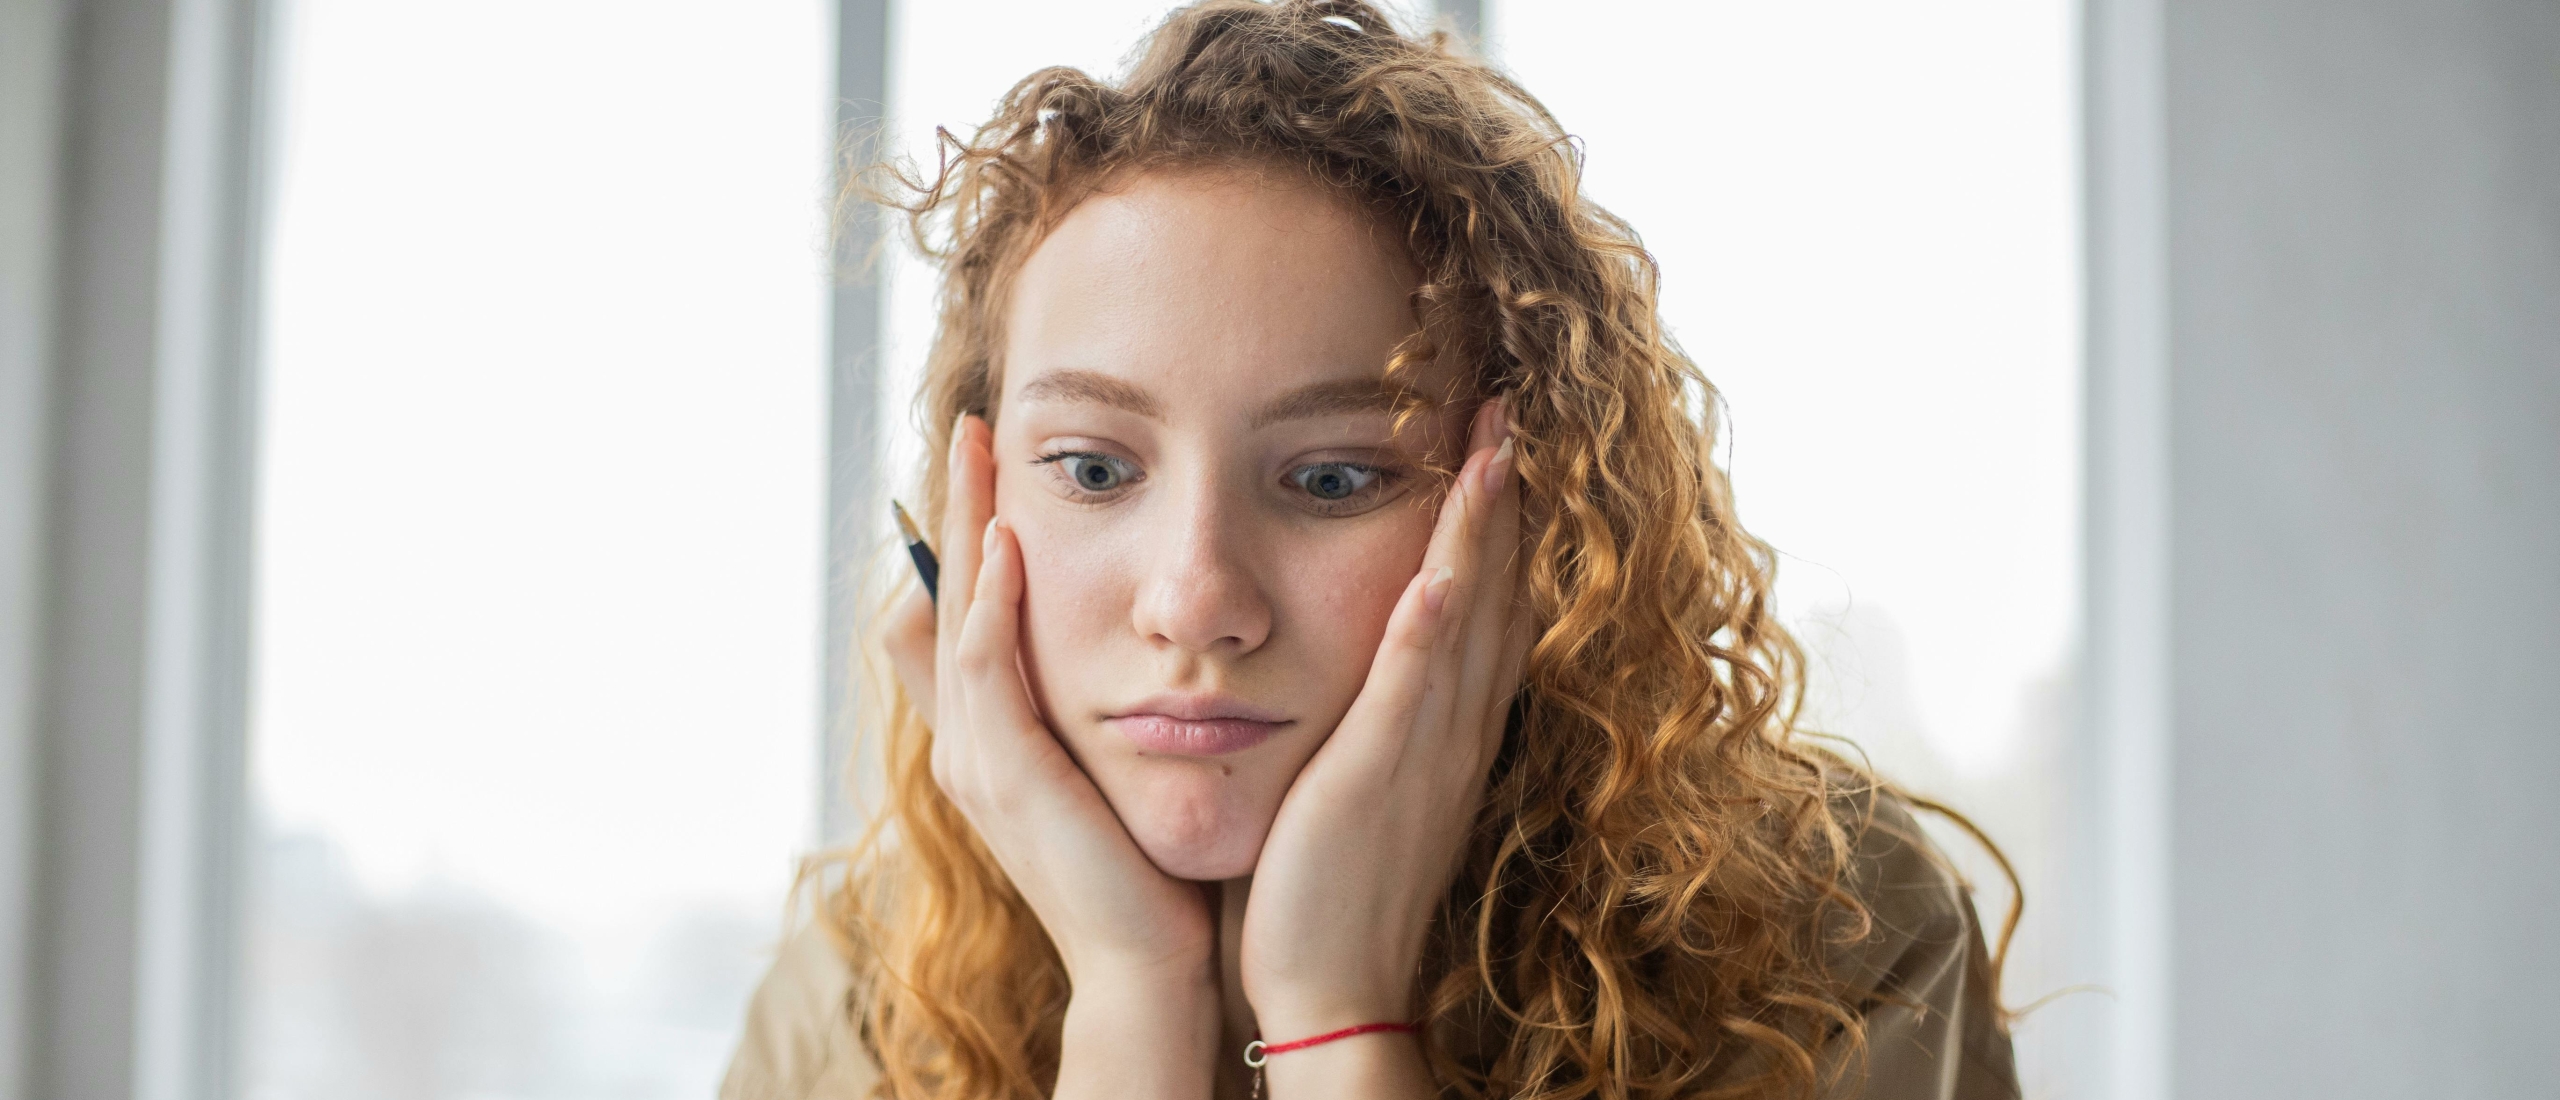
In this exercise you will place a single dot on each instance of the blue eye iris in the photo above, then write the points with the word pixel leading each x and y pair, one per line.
pixel 1094 473
pixel 1333 480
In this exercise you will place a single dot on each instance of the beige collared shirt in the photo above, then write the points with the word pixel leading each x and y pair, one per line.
pixel 1933 1025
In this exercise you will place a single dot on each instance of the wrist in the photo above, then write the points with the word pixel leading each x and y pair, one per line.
pixel 1300 990
pixel 1288 1015
pixel 1140 1032
pixel 1172 974
pixel 1162 992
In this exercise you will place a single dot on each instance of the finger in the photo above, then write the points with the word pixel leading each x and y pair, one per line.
pixel 968 504
pixel 1463 543
pixel 1399 675
pixel 1006 731
pixel 1461 513
pixel 1013 769
pixel 908 636
pixel 1482 688
pixel 1406 699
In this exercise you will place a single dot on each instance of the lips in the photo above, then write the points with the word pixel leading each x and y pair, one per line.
pixel 1195 725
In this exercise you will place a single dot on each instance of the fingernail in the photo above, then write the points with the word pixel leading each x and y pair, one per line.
pixel 1436 591
pixel 987 547
pixel 1498 470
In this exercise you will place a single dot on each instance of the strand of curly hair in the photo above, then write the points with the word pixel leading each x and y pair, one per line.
pixel 1662 860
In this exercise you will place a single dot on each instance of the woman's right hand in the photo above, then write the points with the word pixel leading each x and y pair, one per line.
pixel 1139 945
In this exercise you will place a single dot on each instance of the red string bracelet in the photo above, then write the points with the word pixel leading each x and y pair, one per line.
pixel 1257 1051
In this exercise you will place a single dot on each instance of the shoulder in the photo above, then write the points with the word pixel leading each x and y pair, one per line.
pixel 799 1040
pixel 1913 896
pixel 1920 974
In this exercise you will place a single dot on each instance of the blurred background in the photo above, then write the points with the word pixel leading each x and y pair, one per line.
pixel 437 450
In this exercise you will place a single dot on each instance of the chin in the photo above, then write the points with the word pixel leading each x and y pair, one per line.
pixel 1194 823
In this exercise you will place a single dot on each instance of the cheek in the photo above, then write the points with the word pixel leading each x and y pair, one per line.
pixel 1067 583
pixel 1076 590
pixel 1345 589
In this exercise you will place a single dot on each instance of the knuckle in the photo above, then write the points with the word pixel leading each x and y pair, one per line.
pixel 1415 635
pixel 978 650
pixel 914 666
pixel 903 646
pixel 912 619
pixel 941 766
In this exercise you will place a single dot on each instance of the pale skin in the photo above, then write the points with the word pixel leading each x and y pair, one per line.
pixel 1216 671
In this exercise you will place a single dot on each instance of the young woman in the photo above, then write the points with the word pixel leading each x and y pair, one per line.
pixel 1344 640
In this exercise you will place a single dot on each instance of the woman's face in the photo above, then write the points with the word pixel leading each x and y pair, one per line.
pixel 1195 449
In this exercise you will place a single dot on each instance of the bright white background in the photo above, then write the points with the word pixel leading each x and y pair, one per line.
pixel 539 541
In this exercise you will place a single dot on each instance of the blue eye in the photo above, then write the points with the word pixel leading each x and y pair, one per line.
pixel 1094 473
pixel 1333 480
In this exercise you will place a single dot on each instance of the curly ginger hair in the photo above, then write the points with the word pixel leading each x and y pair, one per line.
pixel 1662 859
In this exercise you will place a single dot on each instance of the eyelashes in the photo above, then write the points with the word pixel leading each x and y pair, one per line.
pixel 1324 488
pixel 1091 472
pixel 1334 481
pixel 1342 488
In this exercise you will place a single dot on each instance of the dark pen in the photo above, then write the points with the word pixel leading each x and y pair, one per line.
pixel 926 567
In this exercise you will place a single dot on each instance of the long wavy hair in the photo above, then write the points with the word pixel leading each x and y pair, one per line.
pixel 1663 859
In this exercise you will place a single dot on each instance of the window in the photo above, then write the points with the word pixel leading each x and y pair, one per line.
pixel 533 742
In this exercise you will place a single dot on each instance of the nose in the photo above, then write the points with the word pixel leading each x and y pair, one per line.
pixel 1200 592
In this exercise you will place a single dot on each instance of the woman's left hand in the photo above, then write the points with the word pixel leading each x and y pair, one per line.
pixel 1368 838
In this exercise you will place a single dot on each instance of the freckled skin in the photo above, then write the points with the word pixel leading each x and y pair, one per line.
pixel 1215 292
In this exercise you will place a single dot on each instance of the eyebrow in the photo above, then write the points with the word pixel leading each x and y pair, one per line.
pixel 1092 388
pixel 1347 395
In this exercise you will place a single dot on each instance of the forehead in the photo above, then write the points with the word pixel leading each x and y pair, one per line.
pixel 1210 286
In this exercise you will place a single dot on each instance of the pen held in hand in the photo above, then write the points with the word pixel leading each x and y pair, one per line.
pixel 927 567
